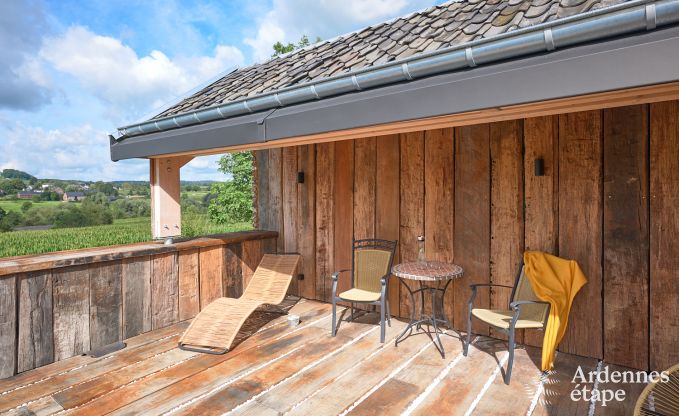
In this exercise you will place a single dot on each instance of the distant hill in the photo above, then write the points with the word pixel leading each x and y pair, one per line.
pixel 17 174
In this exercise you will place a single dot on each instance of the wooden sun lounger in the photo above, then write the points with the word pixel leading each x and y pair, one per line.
pixel 214 329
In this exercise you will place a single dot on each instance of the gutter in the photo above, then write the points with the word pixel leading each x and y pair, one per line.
pixel 618 20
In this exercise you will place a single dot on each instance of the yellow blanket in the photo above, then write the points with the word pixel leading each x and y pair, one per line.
pixel 554 280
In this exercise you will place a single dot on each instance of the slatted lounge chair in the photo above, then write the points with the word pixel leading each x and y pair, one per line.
pixel 214 329
pixel 371 260
pixel 526 311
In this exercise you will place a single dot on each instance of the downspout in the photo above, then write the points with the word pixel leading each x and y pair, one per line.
pixel 613 21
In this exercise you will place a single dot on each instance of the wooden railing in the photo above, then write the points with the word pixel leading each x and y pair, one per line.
pixel 57 305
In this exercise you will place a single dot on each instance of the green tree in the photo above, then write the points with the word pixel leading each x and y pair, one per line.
pixel 233 198
pixel 9 221
pixel 12 186
pixel 281 49
pixel 26 206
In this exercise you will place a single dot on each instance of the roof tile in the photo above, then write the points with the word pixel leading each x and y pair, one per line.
pixel 452 23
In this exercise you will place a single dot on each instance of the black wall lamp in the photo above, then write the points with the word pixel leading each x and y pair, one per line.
pixel 540 167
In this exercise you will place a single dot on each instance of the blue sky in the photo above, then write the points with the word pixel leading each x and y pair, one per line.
pixel 73 71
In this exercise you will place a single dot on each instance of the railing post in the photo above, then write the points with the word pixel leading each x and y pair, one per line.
pixel 166 217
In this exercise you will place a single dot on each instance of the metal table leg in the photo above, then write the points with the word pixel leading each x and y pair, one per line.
pixel 431 321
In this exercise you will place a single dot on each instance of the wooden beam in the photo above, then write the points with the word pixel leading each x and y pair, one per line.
pixel 166 216
pixel 610 99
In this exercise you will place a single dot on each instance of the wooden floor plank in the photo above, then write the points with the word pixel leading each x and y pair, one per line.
pixel 246 388
pixel 632 392
pixel 399 392
pixel 298 389
pixel 155 382
pixel 555 399
pixel 204 382
pixel 43 374
pixel 355 383
pixel 524 384
pixel 65 380
pixel 43 407
pixel 456 392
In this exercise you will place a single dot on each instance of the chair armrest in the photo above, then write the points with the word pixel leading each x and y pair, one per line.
pixel 335 275
pixel 517 304
pixel 475 285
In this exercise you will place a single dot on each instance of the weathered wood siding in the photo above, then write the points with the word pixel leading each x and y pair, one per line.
pixel 59 305
pixel 607 199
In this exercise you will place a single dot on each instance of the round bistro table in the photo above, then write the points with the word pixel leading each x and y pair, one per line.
pixel 432 277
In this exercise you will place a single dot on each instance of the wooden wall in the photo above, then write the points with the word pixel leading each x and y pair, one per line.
pixel 608 199
pixel 54 307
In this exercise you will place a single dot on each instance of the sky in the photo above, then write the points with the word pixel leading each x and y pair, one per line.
pixel 71 72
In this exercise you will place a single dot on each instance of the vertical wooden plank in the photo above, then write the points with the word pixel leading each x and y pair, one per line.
pixel 71 289
pixel 344 209
pixel 387 203
pixel 211 274
pixel 325 191
pixel 439 168
pixel 290 209
pixel 540 136
pixel 472 218
pixel 263 215
pixel 275 211
pixel 106 304
pixel 506 210
pixel 306 220
pixel 252 255
pixel 8 322
pixel 36 336
pixel 664 286
pixel 411 205
pixel 136 273
pixel 164 290
pixel 364 191
pixel 233 273
pixel 189 286
pixel 364 188
pixel 580 223
pixel 625 236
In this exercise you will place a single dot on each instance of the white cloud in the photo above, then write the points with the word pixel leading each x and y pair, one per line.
pixel 130 84
pixel 23 85
pixel 288 20
pixel 81 153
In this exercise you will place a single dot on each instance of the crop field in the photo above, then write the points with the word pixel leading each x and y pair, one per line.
pixel 125 231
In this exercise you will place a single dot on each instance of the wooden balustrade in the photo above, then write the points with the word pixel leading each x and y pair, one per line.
pixel 57 305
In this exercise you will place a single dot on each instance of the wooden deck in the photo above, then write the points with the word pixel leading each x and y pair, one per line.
pixel 302 371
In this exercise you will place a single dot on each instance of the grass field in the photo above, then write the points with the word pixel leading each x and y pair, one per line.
pixel 126 231
pixel 16 205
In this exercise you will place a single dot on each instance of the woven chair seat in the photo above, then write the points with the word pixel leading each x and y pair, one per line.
pixel 215 328
pixel 502 318
pixel 359 295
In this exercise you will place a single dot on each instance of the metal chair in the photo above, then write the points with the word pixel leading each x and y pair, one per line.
pixel 371 261
pixel 525 311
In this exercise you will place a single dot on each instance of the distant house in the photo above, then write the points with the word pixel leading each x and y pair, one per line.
pixel 57 190
pixel 27 194
pixel 73 196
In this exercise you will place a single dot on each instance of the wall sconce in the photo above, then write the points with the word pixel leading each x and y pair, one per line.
pixel 539 167
pixel 300 177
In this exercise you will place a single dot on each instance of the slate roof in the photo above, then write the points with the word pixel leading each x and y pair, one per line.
pixel 449 24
